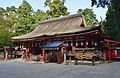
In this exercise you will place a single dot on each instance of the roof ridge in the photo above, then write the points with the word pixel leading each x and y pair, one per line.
pixel 60 18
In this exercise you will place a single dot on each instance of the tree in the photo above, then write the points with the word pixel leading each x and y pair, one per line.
pixel 5 37
pixel 56 8
pixel 101 3
pixel 90 17
pixel 2 12
pixel 38 16
pixel 25 19
pixel 7 20
pixel 112 23
pixel 11 19
pixel 16 21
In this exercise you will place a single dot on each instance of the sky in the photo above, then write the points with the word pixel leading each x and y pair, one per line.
pixel 72 5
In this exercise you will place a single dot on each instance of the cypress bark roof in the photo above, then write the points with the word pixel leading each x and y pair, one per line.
pixel 63 25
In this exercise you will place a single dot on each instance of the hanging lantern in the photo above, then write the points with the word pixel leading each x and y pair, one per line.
pixel 95 43
pixel 71 44
pixel 76 43
pixel 57 48
pixel 86 42
pixel 81 43
pixel 96 32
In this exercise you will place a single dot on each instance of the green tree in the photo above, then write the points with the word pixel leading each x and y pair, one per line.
pixel 112 22
pixel 5 37
pixel 11 19
pixel 2 12
pixel 90 17
pixel 38 16
pixel 16 21
pixel 25 19
pixel 7 20
pixel 57 8
pixel 101 3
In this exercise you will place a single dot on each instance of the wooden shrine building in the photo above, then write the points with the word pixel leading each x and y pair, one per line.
pixel 61 39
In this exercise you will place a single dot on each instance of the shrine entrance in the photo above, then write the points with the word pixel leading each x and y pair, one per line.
pixel 52 52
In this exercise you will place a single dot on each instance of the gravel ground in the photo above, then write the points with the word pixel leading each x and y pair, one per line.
pixel 20 69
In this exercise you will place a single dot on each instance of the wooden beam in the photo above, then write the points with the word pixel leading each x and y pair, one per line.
pixel 111 41
pixel 84 48
pixel 61 35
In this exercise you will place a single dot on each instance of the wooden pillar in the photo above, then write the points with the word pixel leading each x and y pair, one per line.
pixel 64 58
pixel 73 47
pixel 27 51
pixel 64 54
pixel 93 59
pixel 74 52
pixel 109 55
pixel 104 57
pixel 20 45
pixel 43 55
pixel 21 50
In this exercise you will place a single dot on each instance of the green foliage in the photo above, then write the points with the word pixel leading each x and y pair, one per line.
pixel 10 20
pixel 112 23
pixel 101 3
pixel 90 17
pixel 2 12
pixel 56 8
pixel 25 19
pixel 17 21
pixel 7 20
pixel 5 37
pixel 38 16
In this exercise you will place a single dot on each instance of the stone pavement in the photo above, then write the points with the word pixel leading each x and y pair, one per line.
pixel 19 69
